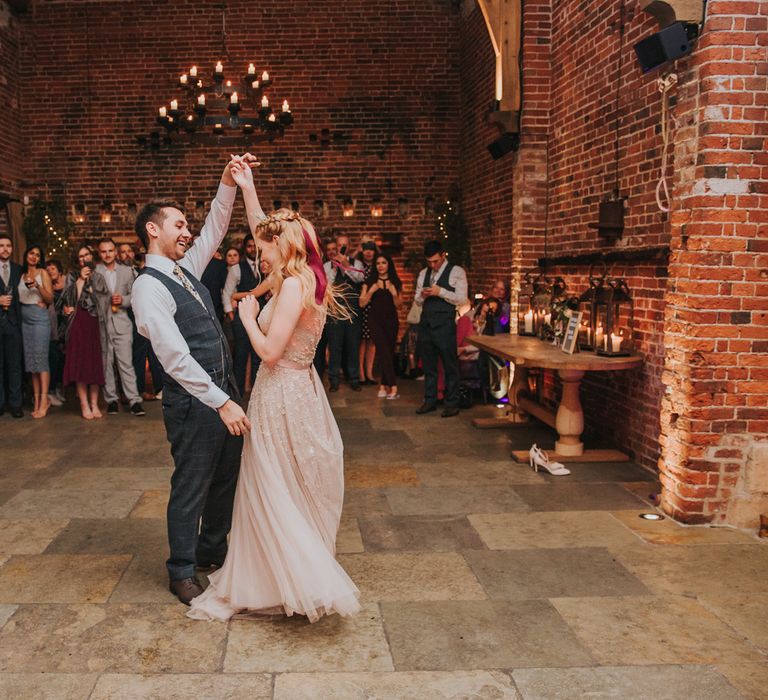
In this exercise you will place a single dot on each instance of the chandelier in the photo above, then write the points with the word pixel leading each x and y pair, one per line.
pixel 217 109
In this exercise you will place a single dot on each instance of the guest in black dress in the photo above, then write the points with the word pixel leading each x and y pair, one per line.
pixel 381 297
pixel 366 256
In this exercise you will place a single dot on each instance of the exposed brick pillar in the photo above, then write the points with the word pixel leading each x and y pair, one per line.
pixel 714 420
pixel 529 189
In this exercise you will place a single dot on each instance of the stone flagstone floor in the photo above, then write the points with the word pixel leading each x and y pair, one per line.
pixel 480 578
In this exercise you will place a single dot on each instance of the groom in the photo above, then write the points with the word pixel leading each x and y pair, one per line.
pixel 203 419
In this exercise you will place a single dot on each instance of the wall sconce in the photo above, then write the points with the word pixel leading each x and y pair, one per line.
pixel 131 210
pixel 295 207
pixel 78 213
pixel 402 207
pixel 429 206
pixel 377 209
pixel 106 213
pixel 321 210
pixel 348 208
pixel 277 204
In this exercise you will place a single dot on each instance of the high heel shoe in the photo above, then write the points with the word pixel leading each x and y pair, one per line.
pixel 538 458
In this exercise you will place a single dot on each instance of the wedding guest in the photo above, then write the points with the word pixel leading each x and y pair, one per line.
pixel 501 316
pixel 344 334
pixel 55 349
pixel 84 255
pixel 126 255
pixel 35 294
pixel 367 356
pixel 232 256
pixel 242 279
pixel 84 364
pixel 441 287
pixel 11 352
pixel 381 296
pixel 117 330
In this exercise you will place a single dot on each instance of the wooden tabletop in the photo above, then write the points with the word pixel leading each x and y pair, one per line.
pixel 533 352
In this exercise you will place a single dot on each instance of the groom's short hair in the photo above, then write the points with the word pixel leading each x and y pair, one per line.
pixel 154 212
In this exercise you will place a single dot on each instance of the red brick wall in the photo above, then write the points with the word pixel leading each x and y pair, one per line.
pixel 383 75
pixel 566 165
pixel 714 418
pixel 11 152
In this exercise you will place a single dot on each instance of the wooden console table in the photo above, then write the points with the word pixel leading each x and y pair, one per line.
pixel 524 353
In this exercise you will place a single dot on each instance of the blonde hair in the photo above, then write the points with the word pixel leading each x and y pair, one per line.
pixel 289 227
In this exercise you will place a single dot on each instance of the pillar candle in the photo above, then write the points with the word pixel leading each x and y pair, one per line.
pixel 528 318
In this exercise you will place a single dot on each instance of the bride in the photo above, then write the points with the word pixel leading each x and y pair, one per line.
pixel 281 557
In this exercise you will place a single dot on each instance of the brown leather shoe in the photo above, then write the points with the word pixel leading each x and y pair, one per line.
pixel 185 589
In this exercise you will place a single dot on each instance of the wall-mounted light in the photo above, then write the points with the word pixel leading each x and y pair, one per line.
pixel 78 213
pixel 106 213
pixel 377 209
pixel 348 208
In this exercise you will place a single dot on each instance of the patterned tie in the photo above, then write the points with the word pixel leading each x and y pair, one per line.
pixel 188 285
pixel 5 274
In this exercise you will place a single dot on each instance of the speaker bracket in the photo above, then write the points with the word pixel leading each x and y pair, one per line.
pixel 674 11
pixel 507 121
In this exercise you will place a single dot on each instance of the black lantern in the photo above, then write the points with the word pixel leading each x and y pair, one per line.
pixel 525 325
pixel 615 313
pixel 586 306
pixel 541 303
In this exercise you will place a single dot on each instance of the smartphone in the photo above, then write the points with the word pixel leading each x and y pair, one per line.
pixel 343 250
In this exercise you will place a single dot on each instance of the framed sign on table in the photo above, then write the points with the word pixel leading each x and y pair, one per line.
pixel 571 336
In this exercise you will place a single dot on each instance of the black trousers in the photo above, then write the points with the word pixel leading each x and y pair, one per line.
pixel 206 465
pixel 344 342
pixel 241 351
pixel 11 364
pixel 384 336
pixel 439 341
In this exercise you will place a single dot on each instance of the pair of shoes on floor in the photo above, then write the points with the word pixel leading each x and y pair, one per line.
pixel 138 410
pixel 538 458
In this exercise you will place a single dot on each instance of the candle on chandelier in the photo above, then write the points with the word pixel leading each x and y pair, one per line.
pixel 265 76
pixel 233 99
pixel 264 102
pixel 183 79
pixel 251 69
pixel 163 111
pixel 201 100
pixel 286 106
pixel 272 118
pixel 219 67
pixel 255 84
pixel 174 105
pixel 193 71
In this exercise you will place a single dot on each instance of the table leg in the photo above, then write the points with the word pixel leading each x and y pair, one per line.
pixel 569 421
pixel 519 384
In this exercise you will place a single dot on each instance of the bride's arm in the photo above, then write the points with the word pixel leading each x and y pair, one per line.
pixel 271 347
pixel 241 172
pixel 259 291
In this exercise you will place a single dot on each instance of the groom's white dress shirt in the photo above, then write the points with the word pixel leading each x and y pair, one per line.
pixel 154 307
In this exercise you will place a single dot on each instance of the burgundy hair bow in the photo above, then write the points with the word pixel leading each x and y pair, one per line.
pixel 315 262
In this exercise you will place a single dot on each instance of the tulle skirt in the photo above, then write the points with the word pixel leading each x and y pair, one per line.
pixel 288 503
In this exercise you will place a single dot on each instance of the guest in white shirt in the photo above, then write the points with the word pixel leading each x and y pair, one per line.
pixel 441 287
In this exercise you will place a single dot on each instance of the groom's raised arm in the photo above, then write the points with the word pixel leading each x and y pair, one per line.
pixel 215 226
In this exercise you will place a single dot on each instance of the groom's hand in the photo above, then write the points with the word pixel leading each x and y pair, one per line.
pixel 234 418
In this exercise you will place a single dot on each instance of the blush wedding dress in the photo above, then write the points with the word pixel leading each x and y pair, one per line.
pixel 290 492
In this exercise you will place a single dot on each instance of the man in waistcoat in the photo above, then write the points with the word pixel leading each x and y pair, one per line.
pixel 243 277
pixel 440 288
pixel 11 355
pixel 203 418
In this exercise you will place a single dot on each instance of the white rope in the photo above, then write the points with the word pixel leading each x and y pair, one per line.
pixel 665 84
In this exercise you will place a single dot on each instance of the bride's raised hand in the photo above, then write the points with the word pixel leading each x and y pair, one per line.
pixel 248 309
pixel 241 172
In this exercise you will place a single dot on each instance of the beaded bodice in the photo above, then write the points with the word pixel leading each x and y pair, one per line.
pixel 301 347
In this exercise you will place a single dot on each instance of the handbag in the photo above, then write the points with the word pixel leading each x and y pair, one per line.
pixel 414 314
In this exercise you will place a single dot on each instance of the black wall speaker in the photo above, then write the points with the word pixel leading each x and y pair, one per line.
pixel 670 43
pixel 504 144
